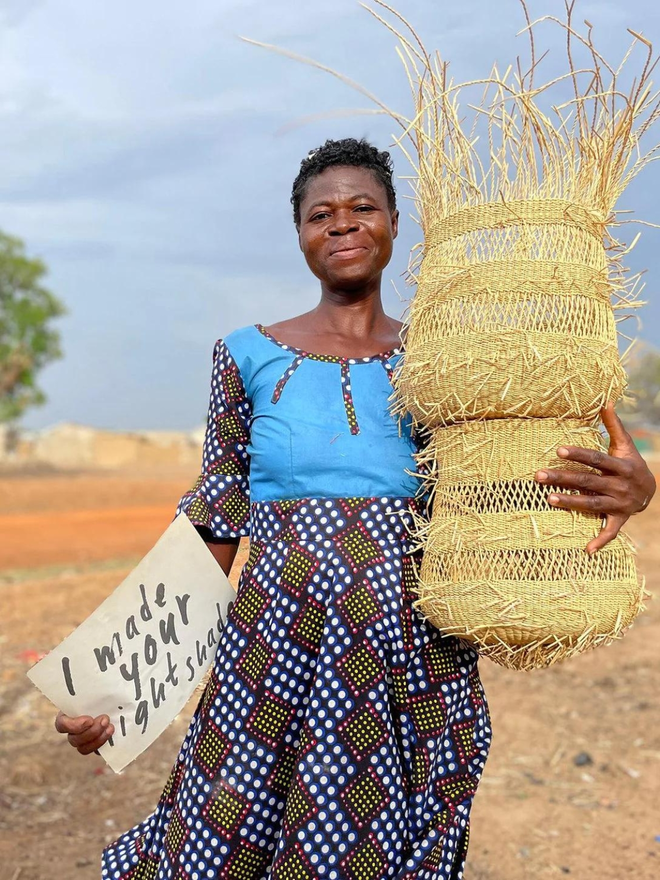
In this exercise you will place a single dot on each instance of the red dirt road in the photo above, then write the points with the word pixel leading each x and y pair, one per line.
pixel 79 536
pixel 79 519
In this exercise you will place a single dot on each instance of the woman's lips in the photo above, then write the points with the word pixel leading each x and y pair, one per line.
pixel 347 253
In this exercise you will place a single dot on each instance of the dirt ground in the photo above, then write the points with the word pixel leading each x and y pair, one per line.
pixel 571 787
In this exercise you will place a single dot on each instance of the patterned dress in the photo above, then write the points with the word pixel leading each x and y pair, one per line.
pixel 340 735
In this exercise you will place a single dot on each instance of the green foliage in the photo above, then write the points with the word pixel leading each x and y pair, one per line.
pixel 644 385
pixel 27 340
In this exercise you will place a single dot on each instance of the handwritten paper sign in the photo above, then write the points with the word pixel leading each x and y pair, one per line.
pixel 140 655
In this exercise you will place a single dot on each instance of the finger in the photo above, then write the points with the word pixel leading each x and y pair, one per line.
pixel 90 748
pixel 82 739
pixel 107 733
pixel 90 745
pixel 646 500
pixel 583 481
pixel 618 435
pixel 610 530
pixel 95 731
pixel 596 459
pixel 602 504
pixel 67 724
pixel 95 746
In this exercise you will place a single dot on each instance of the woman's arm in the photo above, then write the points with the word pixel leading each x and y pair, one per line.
pixel 223 550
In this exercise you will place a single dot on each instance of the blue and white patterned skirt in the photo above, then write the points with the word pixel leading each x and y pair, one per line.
pixel 340 735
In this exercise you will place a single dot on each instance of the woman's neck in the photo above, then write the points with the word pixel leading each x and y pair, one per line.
pixel 350 316
pixel 346 325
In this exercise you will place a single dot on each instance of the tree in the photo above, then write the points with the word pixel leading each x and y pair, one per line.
pixel 644 385
pixel 27 340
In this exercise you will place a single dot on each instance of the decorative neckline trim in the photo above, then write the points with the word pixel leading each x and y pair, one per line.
pixel 327 358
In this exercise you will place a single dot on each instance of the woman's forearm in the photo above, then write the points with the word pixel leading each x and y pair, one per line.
pixel 223 551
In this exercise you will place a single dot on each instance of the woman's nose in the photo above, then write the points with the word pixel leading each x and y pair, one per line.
pixel 343 223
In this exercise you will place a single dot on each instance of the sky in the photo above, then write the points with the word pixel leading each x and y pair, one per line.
pixel 148 155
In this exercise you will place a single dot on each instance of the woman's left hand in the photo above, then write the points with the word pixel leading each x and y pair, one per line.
pixel 625 487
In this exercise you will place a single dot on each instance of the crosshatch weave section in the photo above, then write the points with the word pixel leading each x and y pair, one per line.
pixel 502 567
pixel 512 317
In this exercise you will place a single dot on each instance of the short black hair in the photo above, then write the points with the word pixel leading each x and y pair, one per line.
pixel 348 151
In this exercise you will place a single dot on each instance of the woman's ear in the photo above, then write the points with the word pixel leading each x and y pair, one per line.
pixel 395 223
pixel 299 238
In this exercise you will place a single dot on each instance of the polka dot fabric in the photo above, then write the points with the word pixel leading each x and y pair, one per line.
pixel 339 736
pixel 348 397
pixel 219 500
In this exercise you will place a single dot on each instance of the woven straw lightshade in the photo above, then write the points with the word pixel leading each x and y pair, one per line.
pixel 512 316
pixel 512 350
pixel 503 568
pixel 511 343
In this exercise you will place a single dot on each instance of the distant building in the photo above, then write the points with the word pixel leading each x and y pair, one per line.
pixel 69 446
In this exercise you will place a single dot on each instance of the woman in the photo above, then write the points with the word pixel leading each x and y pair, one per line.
pixel 340 735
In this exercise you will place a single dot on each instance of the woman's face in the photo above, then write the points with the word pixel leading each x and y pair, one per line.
pixel 346 227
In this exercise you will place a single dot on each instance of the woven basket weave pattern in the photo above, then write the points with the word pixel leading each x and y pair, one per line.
pixel 512 317
pixel 533 608
pixel 504 569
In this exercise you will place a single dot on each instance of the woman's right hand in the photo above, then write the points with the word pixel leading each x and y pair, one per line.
pixel 85 733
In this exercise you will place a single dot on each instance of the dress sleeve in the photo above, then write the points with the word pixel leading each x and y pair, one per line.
pixel 220 499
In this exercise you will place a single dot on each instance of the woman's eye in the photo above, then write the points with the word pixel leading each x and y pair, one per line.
pixel 320 216
pixel 364 208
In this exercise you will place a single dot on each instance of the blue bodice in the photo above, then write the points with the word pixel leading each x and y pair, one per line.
pixel 320 426
pixel 287 424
